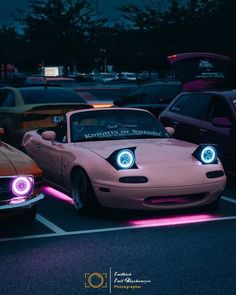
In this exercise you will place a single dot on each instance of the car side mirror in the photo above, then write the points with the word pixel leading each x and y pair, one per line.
pixel 221 122
pixel 170 130
pixel 2 131
pixel 49 136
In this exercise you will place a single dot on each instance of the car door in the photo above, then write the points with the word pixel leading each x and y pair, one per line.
pixel 220 135
pixel 187 115
pixel 49 155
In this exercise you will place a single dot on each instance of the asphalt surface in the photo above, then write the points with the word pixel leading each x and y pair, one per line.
pixel 182 252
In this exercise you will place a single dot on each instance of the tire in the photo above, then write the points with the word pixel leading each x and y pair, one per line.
pixel 82 192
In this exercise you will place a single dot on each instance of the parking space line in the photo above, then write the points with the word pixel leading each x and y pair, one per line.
pixel 228 199
pixel 49 224
pixel 110 229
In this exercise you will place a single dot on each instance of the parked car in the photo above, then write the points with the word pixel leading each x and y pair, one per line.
pixel 153 97
pixel 206 116
pixel 124 158
pixel 203 70
pixel 105 77
pixel 25 108
pixel 128 76
pixel 20 183
pixel 16 79
pixel 63 82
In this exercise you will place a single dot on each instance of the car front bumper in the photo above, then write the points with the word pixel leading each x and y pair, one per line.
pixel 23 204
pixel 159 198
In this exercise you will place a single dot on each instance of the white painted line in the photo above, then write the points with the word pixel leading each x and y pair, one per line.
pixel 228 199
pixel 110 229
pixel 49 224
pixel 110 281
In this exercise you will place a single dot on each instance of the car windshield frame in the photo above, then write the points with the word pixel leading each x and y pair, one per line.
pixel 105 125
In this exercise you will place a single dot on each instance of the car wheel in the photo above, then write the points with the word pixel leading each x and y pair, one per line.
pixel 82 192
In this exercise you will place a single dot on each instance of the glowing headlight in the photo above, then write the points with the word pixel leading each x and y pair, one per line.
pixel 22 186
pixel 125 159
pixel 208 155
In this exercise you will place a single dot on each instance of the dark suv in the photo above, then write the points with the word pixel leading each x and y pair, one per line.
pixel 153 97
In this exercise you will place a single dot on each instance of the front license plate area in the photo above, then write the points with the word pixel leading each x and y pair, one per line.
pixel 57 119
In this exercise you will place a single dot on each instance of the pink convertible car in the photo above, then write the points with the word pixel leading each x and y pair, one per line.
pixel 125 158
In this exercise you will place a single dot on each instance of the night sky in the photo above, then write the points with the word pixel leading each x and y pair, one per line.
pixel 106 7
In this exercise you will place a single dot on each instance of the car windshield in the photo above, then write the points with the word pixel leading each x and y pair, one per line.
pixel 49 95
pixel 115 124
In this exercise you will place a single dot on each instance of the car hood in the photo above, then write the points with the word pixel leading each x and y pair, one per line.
pixel 13 161
pixel 166 152
pixel 203 70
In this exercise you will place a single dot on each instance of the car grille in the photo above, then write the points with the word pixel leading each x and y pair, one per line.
pixel 174 200
pixel 5 193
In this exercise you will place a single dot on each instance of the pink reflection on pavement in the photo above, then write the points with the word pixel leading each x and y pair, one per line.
pixel 173 220
pixel 56 194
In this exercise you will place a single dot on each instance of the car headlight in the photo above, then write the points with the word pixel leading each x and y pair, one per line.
pixel 206 154
pixel 125 159
pixel 22 186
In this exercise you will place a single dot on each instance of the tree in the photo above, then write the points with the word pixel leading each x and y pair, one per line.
pixel 56 30
pixel 11 47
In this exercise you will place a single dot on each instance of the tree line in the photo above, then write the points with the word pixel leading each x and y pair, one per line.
pixel 73 34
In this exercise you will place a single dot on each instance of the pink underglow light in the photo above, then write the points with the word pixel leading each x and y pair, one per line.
pixel 58 195
pixel 173 220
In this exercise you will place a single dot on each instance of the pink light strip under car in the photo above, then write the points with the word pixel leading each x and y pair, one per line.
pixel 150 222
pixel 56 194
pixel 173 220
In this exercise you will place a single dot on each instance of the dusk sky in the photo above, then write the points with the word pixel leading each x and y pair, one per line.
pixel 107 7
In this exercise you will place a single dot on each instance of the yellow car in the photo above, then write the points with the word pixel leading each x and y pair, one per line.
pixel 30 107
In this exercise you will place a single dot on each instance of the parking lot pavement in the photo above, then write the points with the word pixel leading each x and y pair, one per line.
pixel 57 217
pixel 178 253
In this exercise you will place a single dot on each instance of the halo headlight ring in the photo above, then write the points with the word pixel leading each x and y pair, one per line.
pixel 206 154
pixel 123 159
pixel 22 186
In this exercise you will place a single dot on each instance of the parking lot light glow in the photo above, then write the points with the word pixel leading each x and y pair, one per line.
pixel 58 195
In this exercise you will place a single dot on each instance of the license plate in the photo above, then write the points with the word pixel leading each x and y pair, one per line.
pixel 57 119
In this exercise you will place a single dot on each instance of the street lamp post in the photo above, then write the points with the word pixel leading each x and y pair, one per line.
pixel 103 53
